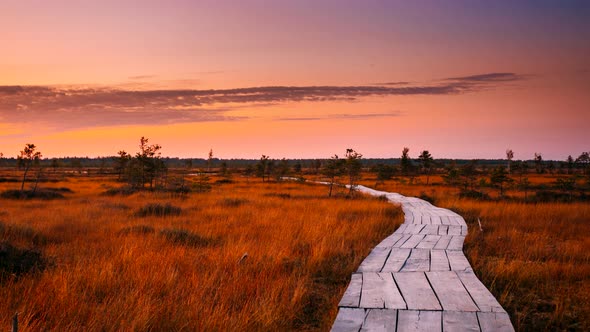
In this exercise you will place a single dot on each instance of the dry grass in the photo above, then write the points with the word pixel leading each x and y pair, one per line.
pixel 535 258
pixel 112 269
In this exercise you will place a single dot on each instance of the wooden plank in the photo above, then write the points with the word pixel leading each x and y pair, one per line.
pixel 380 320
pixel 379 291
pixel 494 321
pixel 456 242
pixel 349 320
pixel 419 321
pixel 480 294
pixel 352 295
pixel 447 221
pixel 390 240
pixel 443 243
pixel 454 230
pixel 425 220
pixel 416 291
pixel 396 260
pixel 436 220
pixel 401 228
pixel 428 242
pixel 458 261
pixel 413 241
pixel 443 229
pixel 429 229
pixel 419 260
pixel 460 321
pixel 375 261
pixel 464 230
pixel 450 291
pixel 439 261
pixel 403 240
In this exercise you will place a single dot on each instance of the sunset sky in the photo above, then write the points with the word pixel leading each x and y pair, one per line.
pixel 296 79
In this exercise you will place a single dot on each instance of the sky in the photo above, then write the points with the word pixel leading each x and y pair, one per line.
pixel 296 79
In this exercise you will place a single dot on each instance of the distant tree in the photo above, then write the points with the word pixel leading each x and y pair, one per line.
pixel 150 162
pixel 405 162
pixel 509 156
pixel 316 166
pixel 332 169
pixel 353 167
pixel 122 163
pixel 539 163
pixel 28 157
pixel 209 160
pixel 248 171
pixel 498 178
pixel 426 163
pixel 54 164
pixel 262 167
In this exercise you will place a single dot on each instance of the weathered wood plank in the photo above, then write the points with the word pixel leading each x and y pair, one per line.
pixel 494 321
pixel 464 230
pixel 396 260
pixel 480 294
pixel 454 230
pixel 390 240
pixel 456 243
pixel 439 261
pixel 413 241
pixel 419 260
pixel 430 229
pixel 443 229
pixel 405 237
pixel 348 320
pixel 458 261
pixel 380 291
pixel 443 243
pixel 455 321
pixel 375 261
pixel 417 291
pixel 450 291
pixel 436 220
pixel 419 321
pixel 428 242
pixel 352 295
pixel 401 228
pixel 380 320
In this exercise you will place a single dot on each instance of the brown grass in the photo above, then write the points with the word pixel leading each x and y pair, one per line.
pixel 535 258
pixel 114 269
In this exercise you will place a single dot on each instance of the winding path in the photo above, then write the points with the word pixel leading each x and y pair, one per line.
pixel 418 279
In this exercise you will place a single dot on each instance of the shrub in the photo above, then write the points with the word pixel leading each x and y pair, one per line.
pixel 47 194
pixel 137 229
pixel 123 191
pixel 185 238
pixel 15 261
pixel 233 202
pixel 474 194
pixel 158 209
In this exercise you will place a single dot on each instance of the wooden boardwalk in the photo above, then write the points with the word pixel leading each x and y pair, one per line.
pixel 418 279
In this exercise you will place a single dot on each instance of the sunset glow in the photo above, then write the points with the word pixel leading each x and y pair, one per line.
pixel 296 79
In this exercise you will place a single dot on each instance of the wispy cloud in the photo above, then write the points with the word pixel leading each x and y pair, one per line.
pixel 358 116
pixel 67 107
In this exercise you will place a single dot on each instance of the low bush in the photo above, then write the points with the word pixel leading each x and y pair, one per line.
pixel 16 261
pixel 47 194
pixel 158 209
pixel 185 238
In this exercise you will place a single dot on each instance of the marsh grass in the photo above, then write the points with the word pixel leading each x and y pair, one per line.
pixel 534 257
pixel 113 271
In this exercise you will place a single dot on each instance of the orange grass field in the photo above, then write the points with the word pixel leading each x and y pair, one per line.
pixel 110 270
pixel 535 258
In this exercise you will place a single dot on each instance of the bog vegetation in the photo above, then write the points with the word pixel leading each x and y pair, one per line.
pixel 146 242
